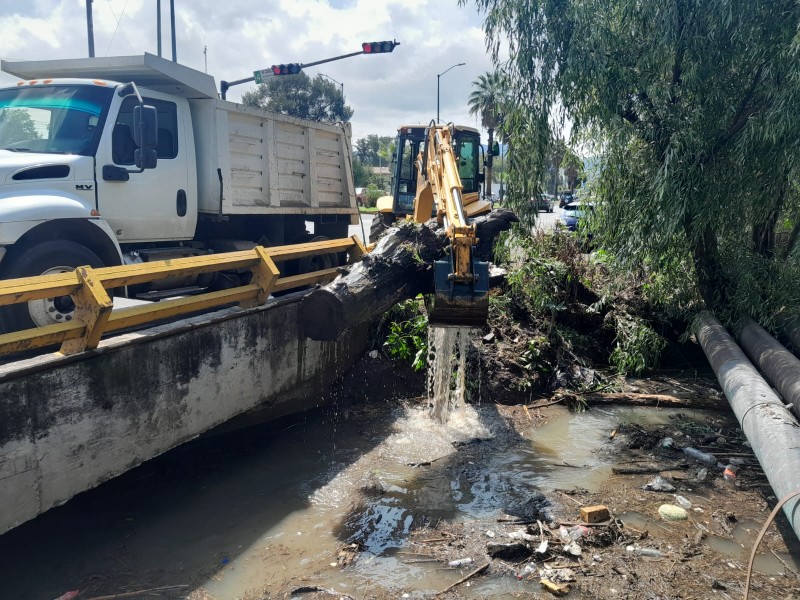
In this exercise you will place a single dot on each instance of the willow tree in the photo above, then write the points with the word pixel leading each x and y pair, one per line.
pixel 695 106
pixel 485 101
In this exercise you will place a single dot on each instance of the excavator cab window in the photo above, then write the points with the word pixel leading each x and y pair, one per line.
pixel 407 151
pixel 468 154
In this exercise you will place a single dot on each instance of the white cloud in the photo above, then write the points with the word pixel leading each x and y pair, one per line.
pixel 244 35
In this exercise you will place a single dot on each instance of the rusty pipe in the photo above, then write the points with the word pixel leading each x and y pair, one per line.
pixel 780 367
pixel 772 431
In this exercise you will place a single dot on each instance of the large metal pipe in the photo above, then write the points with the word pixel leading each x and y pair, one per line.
pixel 780 367
pixel 793 333
pixel 772 430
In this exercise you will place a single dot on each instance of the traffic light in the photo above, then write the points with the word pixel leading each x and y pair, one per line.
pixel 378 47
pixel 290 69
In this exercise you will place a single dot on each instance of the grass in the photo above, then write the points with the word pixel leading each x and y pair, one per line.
pixel 368 209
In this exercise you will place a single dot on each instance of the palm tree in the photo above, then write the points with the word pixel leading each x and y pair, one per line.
pixel 485 101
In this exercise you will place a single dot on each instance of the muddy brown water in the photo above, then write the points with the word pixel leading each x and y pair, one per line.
pixel 267 509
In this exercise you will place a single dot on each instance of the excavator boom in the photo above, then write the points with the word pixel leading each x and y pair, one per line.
pixel 461 284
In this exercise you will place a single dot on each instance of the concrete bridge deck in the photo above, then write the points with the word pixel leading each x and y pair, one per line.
pixel 68 423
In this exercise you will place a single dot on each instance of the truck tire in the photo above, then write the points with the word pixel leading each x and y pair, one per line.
pixel 380 224
pixel 57 256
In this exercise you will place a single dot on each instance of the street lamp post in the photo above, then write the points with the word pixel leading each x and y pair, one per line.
pixel 438 77
pixel 334 81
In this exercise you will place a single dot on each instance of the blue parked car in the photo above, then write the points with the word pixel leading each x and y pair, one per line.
pixel 574 212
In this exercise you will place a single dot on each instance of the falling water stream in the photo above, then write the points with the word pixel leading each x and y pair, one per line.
pixel 447 366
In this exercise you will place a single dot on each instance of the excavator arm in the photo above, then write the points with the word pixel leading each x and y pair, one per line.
pixel 461 296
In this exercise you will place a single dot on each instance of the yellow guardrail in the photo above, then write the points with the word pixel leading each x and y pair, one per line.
pixel 94 316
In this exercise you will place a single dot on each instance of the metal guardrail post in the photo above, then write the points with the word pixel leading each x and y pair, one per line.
pixel 265 274
pixel 358 250
pixel 92 308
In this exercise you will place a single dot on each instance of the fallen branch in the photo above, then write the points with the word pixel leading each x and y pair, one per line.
pixel 137 592
pixel 309 589
pixel 662 400
pixel 645 470
pixel 477 571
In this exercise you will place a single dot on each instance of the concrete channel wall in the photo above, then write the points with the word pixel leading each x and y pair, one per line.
pixel 69 423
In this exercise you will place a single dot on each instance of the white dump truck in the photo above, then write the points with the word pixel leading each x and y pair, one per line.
pixel 109 161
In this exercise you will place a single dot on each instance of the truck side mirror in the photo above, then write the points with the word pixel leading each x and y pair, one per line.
pixel 495 149
pixel 145 126
pixel 145 158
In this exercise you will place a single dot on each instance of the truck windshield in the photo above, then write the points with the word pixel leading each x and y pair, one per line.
pixel 57 119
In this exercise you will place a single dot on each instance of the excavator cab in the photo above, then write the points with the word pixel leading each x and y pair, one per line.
pixel 409 142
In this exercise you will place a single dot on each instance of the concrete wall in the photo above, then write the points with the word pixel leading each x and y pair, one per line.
pixel 69 423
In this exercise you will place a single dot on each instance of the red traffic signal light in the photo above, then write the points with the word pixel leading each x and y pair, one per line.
pixel 378 47
pixel 290 69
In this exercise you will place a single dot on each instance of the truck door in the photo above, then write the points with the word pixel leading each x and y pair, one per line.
pixel 155 205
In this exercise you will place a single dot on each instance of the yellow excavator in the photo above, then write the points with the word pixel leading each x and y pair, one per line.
pixel 437 174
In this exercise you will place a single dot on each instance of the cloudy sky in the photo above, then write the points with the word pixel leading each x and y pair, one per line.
pixel 385 90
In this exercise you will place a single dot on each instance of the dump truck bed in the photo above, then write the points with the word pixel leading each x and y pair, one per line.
pixel 270 163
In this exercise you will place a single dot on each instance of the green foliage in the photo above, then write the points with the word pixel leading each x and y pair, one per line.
pixel 16 125
pixel 637 347
pixel 374 150
pixel 546 271
pixel 361 175
pixel 694 109
pixel 487 101
pixel 373 193
pixel 407 339
pixel 300 96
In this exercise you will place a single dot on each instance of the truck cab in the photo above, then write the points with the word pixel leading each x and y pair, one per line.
pixel 75 190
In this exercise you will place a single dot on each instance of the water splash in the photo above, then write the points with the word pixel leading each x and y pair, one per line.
pixel 447 366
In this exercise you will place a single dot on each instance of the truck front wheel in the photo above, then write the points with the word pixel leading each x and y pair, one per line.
pixel 58 256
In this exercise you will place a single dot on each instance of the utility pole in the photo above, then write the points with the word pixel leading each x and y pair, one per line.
pixel 205 57
pixel 438 77
pixel 172 25
pixel 90 27
pixel 158 25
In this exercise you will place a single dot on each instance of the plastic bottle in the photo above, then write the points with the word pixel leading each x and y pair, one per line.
pixel 573 533
pixel 696 454
pixel 729 474
pixel 460 562
pixel 649 552
pixel 529 569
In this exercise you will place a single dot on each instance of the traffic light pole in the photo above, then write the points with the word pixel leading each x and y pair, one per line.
pixel 225 85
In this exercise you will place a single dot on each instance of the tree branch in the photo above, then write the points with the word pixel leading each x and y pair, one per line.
pixel 740 119
pixel 679 49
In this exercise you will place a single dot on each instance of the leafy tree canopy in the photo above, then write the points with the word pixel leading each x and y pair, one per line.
pixel 300 96
pixel 695 111
pixel 16 125
pixel 374 150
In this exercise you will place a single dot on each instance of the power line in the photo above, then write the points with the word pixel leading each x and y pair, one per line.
pixel 119 22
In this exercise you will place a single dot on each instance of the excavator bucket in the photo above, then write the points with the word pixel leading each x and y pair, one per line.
pixel 456 304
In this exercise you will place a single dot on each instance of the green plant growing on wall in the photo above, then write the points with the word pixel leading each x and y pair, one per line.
pixel 407 339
